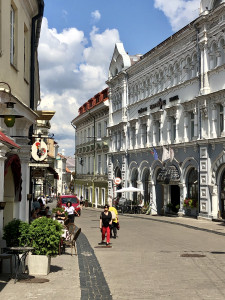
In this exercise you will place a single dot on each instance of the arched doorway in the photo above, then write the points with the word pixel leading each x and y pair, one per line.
pixel 145 182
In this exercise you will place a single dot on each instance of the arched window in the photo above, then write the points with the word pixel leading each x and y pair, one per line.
pixel 193 184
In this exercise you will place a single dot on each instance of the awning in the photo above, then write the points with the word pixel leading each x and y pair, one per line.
pixel 53 171
pixel 6 140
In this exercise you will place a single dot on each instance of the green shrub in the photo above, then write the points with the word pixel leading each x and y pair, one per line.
pixel 45 236
pixel 16 233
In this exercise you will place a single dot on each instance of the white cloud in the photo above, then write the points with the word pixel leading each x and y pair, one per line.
pixel 71 73
pixel 96 16
pixel 179 12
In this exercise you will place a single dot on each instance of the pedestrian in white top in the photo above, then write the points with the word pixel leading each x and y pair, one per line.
pixel 71 211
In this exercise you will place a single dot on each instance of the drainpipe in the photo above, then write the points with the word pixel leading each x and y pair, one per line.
pixel 35 35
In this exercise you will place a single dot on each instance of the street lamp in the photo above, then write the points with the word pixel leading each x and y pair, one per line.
pixel 8 113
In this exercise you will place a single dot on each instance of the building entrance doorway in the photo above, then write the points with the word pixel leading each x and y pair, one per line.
pixel 175 197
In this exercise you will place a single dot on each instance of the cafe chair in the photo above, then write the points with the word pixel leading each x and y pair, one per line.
pixel 5 255
pixel 72 241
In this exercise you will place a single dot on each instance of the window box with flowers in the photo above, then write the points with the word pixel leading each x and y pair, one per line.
pixel 190 207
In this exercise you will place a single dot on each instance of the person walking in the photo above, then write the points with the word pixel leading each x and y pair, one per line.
pixel 71 211
pixel 105 222
pixel 115 221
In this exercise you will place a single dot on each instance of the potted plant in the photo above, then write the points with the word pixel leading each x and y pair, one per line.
pixel 45 236
pixel 16 233
pixel 190 205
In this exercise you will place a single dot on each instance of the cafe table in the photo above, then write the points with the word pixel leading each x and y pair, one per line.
pixel 20 254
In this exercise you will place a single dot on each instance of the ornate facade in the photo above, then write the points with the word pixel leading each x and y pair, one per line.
pixel 91 180
pixel 172 98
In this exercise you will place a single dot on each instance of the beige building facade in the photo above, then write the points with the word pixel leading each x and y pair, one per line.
pixel 20 24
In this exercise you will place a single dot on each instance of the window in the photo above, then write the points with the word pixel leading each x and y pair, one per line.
pixel 89 165
pixel 192 121
pixel 103 196
pixel 93 131
pixel 99 130
pixel 89 132
pixel 105 128
pixel 12 35
pixel 173 129
pixel 144 134
pixel 132 137
pixel 221 119
pixel 106 165
pixel 99 164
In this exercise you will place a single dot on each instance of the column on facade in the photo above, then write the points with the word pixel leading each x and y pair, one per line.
pixel 223 132
pixel 177 128
pixel 215 206
pixel 183 192
pixel 24 156
pixel 161 129
pixel 195 123
pixel 137 125
pixel 110 106
pixel 154 133
pixel 152 190
pixel 169 131
pixel 204 68
pixel 148 123
pixel 3 150
pixel 214 121
pixel 185 126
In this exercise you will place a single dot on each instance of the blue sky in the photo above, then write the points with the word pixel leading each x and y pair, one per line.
pixel 77 42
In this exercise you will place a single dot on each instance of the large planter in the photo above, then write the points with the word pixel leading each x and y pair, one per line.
pixel 191 211
pixel 39 264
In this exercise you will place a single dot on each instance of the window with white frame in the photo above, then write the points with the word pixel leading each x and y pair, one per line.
pixel 105 127
pixel 221 119
pixel 99 164
pixel 12 35
pixel 103 196
pixel 118 140
pixel 99 130
pixel 132 137
pixel 89 165
pixel 89 132
pixel 192 125
pixel 105 165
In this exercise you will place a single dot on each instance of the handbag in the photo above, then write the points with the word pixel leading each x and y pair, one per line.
pixel 118 226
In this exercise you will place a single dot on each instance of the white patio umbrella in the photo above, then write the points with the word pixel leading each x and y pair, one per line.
pixel 129 189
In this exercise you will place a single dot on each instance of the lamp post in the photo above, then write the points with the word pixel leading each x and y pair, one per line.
pixel 9 114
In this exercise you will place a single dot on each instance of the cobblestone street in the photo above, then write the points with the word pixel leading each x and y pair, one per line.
pixel 146 261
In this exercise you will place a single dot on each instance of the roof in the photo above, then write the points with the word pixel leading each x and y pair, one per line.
pixel 6 140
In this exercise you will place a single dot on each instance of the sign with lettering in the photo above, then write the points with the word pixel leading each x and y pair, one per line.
pixel 174 98
pixel 160 103
pixel 143 109
pixel 166 175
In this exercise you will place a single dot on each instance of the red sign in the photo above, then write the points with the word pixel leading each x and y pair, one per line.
pixel 117 180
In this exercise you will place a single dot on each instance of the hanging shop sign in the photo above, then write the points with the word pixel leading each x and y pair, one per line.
pixel 169 174
pixel 174 98
pixel 39 150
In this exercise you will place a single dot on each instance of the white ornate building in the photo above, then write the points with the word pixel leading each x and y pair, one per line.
pixel 173 96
